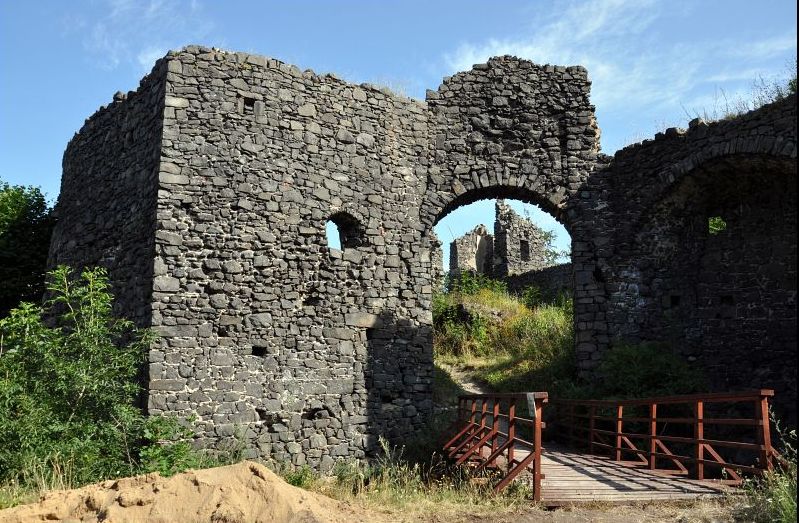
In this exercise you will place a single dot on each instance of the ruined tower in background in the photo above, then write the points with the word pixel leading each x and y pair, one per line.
pixel 519 245
pixel 520 254
pixel 474 251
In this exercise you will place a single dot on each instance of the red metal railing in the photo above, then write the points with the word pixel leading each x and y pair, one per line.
pixel 489 434
pixel 599 425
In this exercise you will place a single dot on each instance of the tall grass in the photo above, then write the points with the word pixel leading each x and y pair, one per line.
pixel 512 343
pixel 772 497
pixel 392 481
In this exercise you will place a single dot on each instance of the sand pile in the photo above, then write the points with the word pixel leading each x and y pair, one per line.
pixel 243 493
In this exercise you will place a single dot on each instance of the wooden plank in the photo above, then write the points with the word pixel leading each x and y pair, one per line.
pixel 575 477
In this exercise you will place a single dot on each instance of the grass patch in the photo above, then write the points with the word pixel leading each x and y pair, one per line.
pixel 395 483
pixel 772 497
pixel 507 342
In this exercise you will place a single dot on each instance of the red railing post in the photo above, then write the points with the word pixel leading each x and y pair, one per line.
pixel 537 444
pixel 495 428
pixel 653 433
pixel 699 435
pixel 511 429
pixel 571 424
pixel 619 430
pixel 764 432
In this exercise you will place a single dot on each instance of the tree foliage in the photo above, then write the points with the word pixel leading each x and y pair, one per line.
pixel 69 389
pixel 26 224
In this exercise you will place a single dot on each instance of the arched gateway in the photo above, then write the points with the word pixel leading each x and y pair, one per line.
pixel 206 193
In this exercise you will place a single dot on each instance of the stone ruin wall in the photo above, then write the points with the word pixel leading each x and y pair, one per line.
pixel 106 208
pixel 553 281
pixel 312 352
pixel 726 302
pixel 508 263
pixel 520 246
pixel 474 251
pixel 307 353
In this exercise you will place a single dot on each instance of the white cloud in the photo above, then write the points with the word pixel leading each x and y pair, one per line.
pixel 135 34
pixel 636 66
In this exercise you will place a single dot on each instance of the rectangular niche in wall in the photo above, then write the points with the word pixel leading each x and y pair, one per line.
pixel 524 248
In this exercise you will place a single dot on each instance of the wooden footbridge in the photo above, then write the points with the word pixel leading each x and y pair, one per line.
pixel 661 448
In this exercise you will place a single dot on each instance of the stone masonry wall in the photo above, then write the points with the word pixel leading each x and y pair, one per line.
pixel 106 209
pixel 552 280
pixel 520 246
pixel 207 193
pixel 727 302
pixel 310 353
pixel 474 251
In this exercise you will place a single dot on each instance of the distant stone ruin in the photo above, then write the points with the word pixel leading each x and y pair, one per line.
pixel 515 253
pixel 206 192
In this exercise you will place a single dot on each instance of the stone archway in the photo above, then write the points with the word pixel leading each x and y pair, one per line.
pixel 513 129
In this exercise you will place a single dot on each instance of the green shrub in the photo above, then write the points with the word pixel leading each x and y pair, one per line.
pixel 68 391
pixel 772 497
pixel 644 370
pixel 467 282
pixel 166 447
pixel 302 477
pixel 532 297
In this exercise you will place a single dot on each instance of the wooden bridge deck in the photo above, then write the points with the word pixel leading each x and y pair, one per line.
pixel 575 477
pixel 490 434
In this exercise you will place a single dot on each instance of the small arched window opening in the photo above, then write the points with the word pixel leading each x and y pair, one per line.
pixel 343 231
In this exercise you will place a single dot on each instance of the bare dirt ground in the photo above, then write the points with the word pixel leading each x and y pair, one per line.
pixel 248 492
pixel 243 493
pixel 699 512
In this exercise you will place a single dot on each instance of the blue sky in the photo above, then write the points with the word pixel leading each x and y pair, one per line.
pixel 652 63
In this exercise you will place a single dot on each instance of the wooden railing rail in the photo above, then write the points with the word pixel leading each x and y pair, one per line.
pixel 488 434
pixel 599 426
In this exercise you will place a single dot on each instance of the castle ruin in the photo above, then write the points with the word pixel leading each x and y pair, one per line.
pixel 206 192
pixel 516 253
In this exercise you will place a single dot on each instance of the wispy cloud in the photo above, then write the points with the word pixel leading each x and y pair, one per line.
pixel 633 65
pixel 134 33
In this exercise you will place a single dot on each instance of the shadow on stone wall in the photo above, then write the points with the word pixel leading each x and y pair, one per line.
pixel 399 388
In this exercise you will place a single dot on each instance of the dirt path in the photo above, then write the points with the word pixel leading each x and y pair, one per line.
pixel 462 378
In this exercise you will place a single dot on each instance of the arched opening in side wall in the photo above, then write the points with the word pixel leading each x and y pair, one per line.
pixel 503 309
pixel 344 231
pixel 719 259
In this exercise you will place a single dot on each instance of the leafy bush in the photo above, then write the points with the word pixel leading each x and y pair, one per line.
pixel 303 477
pixel 68 390
pixel 532 296
pixel 165 447
pixel 467 282
pixel 26 224
pixel 644 370
pixel 772 497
